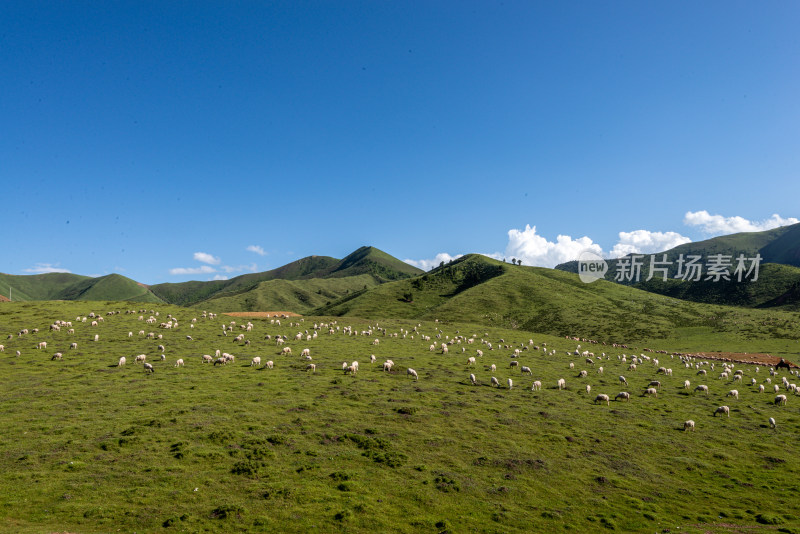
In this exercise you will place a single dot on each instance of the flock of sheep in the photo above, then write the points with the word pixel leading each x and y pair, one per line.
pixel 480 348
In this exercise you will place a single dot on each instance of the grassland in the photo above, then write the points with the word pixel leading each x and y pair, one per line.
pixel 90 447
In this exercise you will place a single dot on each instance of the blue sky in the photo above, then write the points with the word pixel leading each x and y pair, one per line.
pixel 170 141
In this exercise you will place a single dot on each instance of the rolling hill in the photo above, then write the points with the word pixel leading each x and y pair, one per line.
pixel 67 286
pixel 483 291
pixel 778 276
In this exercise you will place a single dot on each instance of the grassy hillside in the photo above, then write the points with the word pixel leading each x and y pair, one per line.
pixel 483 291
pixel 37 286
pixel 299 296
pixel 91 447
pixel 370 261
pixel 779 270
pixel 66 286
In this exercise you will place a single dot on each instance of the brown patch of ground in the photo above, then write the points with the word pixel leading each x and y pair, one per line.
pixel 744 357
pixel 4 299
pixel 278 314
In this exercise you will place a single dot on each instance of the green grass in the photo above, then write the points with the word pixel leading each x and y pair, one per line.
pixel 89 447
pixel 480 290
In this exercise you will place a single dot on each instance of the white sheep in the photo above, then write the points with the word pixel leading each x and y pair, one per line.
pixel 537 385
pixel 651 391
pixel 723 409
pixel 73 345
pixel 526 370
pixel 495 382
pixel 179 362
pixel 311 367
pixel 583 374
pixel 140 358
pixel 562 384
pixel 702 387
pixel 688 425
pixel 588 389
pixel 733 393
pixel 493 367
pixel 473 379
pixel 780 400
pixel 148 368
pixel 411 372
pixel 121 361
pixel 686 384
pixel 600 370
pixel 772 423
pixel 57 356
pixel 269 364
pixel 761 388
pixel 624 395
pixel 470 361
pixel 207 358
pixel 602 397
pixel 510 383
pixel 623 380
pixel 256 361
pixel 305 352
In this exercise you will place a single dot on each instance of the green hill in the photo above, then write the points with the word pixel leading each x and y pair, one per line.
pixel 779 270
pixel 483 291
pixel 67 286
pixel 378 266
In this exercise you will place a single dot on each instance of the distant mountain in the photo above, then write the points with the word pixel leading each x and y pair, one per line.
pixel 779 270
pixel 67 286
pixel 366 267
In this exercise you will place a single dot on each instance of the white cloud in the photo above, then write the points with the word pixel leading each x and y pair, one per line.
pixel 41 268
pixel 646 242
pixel 719 225
pixel 203 269
pixel 534 249
pixel 206 258
pixel 257 249
pixel 240 268
pixel 427 265
pixel 220 277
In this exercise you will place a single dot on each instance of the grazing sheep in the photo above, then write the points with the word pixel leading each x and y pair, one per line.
pixel 140 358
pixel 686 384
pixel 269 364
pixel 73 345
pixel 583 374
pixel 286 350
pixel 651 391
pixel 121 361
pixel 255 361
pixel 526 370
pixel 624 395
pixel 42 345
pixel 588 389
pixel 780 400
pixel 372 358
pixel 562 384
pixel 602 397
pixel 411 372
pixel 56 356
pixel 761 388
pixel 387 366
pixel 723 409
pixel 733 393
pixel 495 382
pixel 688 425
pixel 311 367
pixel 207 358
pixel 470 361
pixel 305 352
pixel 776 388
pixel 623 380
pixel 702 387
pixel 220 361
pixel 571 365
pixel 655 384
pixel 148 368
pixel 772 423
pixel 473 379
pixel 96 337
pixel 493 367
pixel 163 357
pixel 537 385
pixel 600 370
pixel 179 362
pixel 510 383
